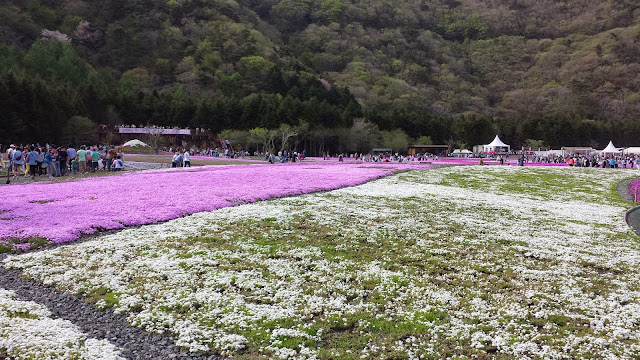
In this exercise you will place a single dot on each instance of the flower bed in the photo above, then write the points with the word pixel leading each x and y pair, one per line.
pixel 469 262
pixel 61 212
pixel 28 332
pixel 634 189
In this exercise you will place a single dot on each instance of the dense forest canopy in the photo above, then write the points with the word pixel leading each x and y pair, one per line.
pixel 456 71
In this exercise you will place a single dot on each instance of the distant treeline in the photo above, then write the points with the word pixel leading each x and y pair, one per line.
pixel 457 71
pixel 50 94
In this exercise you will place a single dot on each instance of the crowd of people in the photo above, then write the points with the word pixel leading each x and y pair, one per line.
pixel 57 161
pixel 597 160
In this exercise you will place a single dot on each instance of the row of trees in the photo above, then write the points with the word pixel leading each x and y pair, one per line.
pixel 50 94
pixel 465 132
pixel 361 137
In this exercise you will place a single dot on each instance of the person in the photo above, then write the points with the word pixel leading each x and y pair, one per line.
pixel 95 157
pixel 174 161
pixel 187 158
pixel 63 156
pixel 118 163
pixel 42 168
pixel 27 166
pixel 71 154
pixel 16 162
pixel 10 151
pixel 111 155
pixel 81 157
pixel 56 162
pixel 180 159
pixel 32 161
pixel 48 162
pixel 74 166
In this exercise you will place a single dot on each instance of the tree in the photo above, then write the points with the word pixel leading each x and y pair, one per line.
pixel 534 145
pixel 80 130
pixel 396 140
pixel 363 136
pixel 424 140
pixel 154 137
pixel 239 139
pixel 265 137
pixel 286 132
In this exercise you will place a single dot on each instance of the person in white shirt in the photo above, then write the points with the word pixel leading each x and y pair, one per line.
pixel 118 163
pixel 10 151
pixel 187 158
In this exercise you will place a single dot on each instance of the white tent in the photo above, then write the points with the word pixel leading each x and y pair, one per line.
pixel 610 149
pixel 134 142
pixel 496 146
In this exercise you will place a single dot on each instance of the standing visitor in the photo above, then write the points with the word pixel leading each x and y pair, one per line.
pixel 111 155
pixel 40 159
pixel 187 158
pixel 32 161
pixel 95 159
pixel 174 161
pixel 71 154
pixel 48 162
pixel 10 151
pixel 81 157
pixel 89 159
pixel 16 162
pixel 56 162
pixel 27 166
pixel 63 156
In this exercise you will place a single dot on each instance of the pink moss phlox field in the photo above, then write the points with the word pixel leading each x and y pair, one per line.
pixel 635 187
pixel 63 211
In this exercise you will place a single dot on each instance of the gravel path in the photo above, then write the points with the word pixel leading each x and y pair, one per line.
pixel 134 342
pixel 623 190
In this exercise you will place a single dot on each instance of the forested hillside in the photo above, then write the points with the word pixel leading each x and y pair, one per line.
pixel 564 72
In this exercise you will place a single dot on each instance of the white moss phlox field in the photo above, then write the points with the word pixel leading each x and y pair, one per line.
pixel 28 332
pixel 442 263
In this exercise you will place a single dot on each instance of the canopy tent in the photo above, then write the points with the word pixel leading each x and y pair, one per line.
pixel 610 149
pixel 134 142
pixel 461 153
pixel 496 146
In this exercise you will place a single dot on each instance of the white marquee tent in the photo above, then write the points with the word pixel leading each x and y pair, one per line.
pixel 610 149
pixel 496 146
